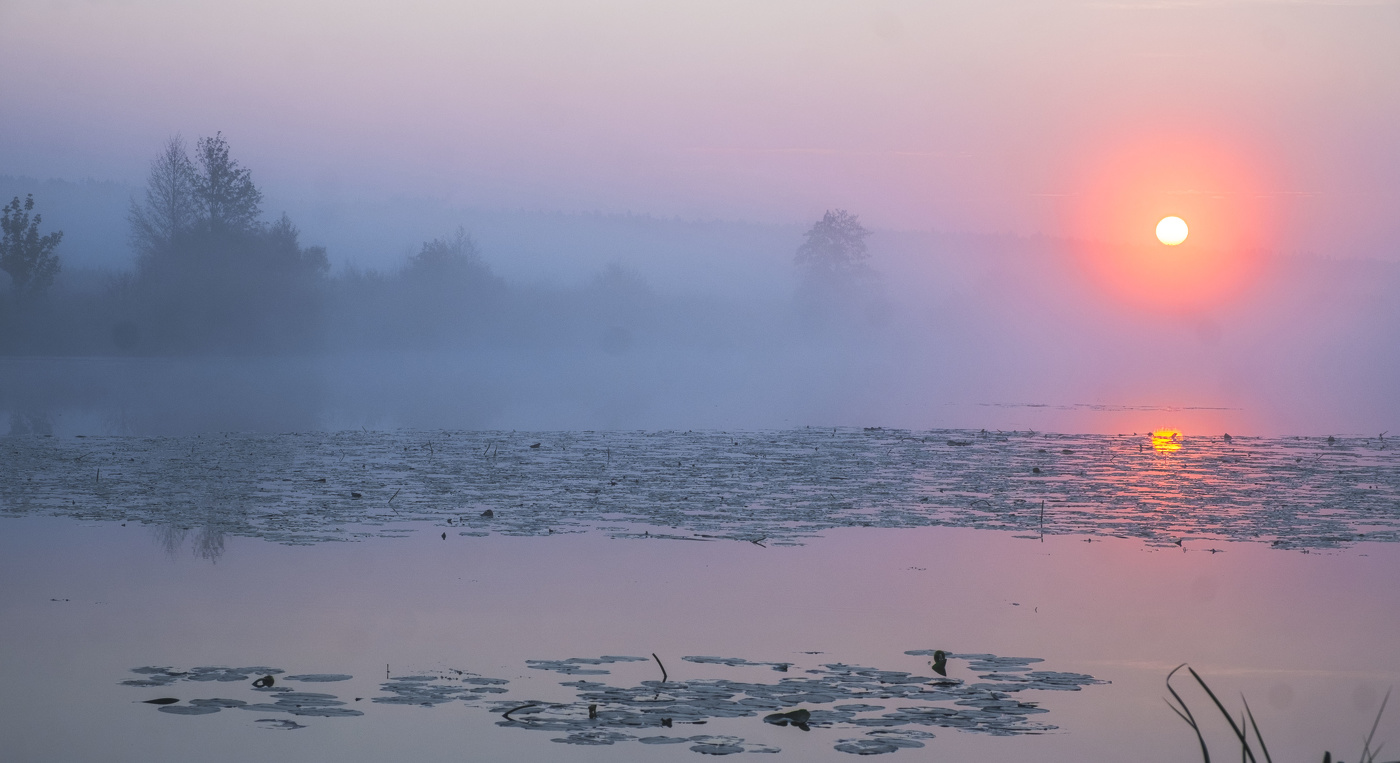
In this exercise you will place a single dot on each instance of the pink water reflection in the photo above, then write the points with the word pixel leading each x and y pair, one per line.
pixel 1306 636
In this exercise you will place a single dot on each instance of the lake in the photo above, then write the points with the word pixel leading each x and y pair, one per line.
pixel 434 595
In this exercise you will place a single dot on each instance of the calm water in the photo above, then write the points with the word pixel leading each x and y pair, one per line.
pixel 800 569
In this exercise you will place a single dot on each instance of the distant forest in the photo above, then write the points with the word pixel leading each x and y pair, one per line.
pixel 212 275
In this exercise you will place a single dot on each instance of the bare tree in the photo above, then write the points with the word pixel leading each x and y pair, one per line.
pixel 24 254
pixel 170 208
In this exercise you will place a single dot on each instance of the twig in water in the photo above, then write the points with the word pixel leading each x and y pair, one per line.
pixel 507 713
pixel 663 667
pixel 395 495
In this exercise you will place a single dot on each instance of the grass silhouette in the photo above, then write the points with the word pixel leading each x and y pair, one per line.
pixel 1246 724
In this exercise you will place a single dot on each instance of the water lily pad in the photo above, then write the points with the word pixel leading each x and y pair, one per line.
pixel 218 702
pixel 717 745
pixel 594 738
pixel 188 709
pixel 280 723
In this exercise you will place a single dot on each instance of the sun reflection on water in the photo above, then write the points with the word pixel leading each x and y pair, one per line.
pixel 1166 440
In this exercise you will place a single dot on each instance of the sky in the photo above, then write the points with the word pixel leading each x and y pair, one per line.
pixel 998 117
pixel 1013 158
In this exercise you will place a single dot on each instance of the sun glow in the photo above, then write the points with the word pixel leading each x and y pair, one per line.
pixel 1166 440
pixel 1171 231
pixel 1153 185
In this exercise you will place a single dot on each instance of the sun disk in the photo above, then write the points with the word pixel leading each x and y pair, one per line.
pixel 1171 231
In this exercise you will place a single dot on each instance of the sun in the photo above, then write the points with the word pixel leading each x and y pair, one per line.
pixel 1171 231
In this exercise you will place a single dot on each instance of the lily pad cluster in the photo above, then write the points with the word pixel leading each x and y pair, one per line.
pixel 154 676
pixel 888 706
pixel 427 691
pixel 260 679
pixel 766 488
pixel 889 709
pixel 781 667
pixel 579 666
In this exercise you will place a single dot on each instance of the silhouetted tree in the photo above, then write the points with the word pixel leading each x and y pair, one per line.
pixel 24 254
pixel 447 290
pixel 228 201
pixel 446 259
pixel 212 275
pixel 835 249
pixel 837 287
pixel 170 209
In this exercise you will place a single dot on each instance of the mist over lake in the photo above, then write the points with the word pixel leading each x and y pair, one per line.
pixel 607 381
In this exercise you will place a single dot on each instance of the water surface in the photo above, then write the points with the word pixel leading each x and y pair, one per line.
pixel 745 563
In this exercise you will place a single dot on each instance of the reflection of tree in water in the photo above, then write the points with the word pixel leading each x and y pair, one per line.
pixel 171 538
pixel 207 541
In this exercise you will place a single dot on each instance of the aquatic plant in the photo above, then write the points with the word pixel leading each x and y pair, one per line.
pixel 768 488
pixel 837 698
pixel 1242 730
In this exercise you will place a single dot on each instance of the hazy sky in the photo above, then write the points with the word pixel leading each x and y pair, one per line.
pixel 1058 117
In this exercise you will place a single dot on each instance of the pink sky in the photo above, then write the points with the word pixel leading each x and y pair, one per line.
pixel 976 116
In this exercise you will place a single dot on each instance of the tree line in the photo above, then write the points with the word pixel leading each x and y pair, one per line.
pixel 211 275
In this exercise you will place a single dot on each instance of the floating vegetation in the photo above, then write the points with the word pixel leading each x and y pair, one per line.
pixel 595 737
pixel 883 741
pixel 735 662
pixel 576 666
pixel 278 723
pixel 189 709
pixel 153 676
pixel 428 691
pixel 833 696
pixel 984 706
pixel 797 718
pixel 774 488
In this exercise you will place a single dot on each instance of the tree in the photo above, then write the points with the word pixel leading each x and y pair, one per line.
pixel 228 201
pixel 170 209
pixel 441 259
pixel 284 257
pixel 213 275
pixel 24 254
pixel 835 249
pixel 445 291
